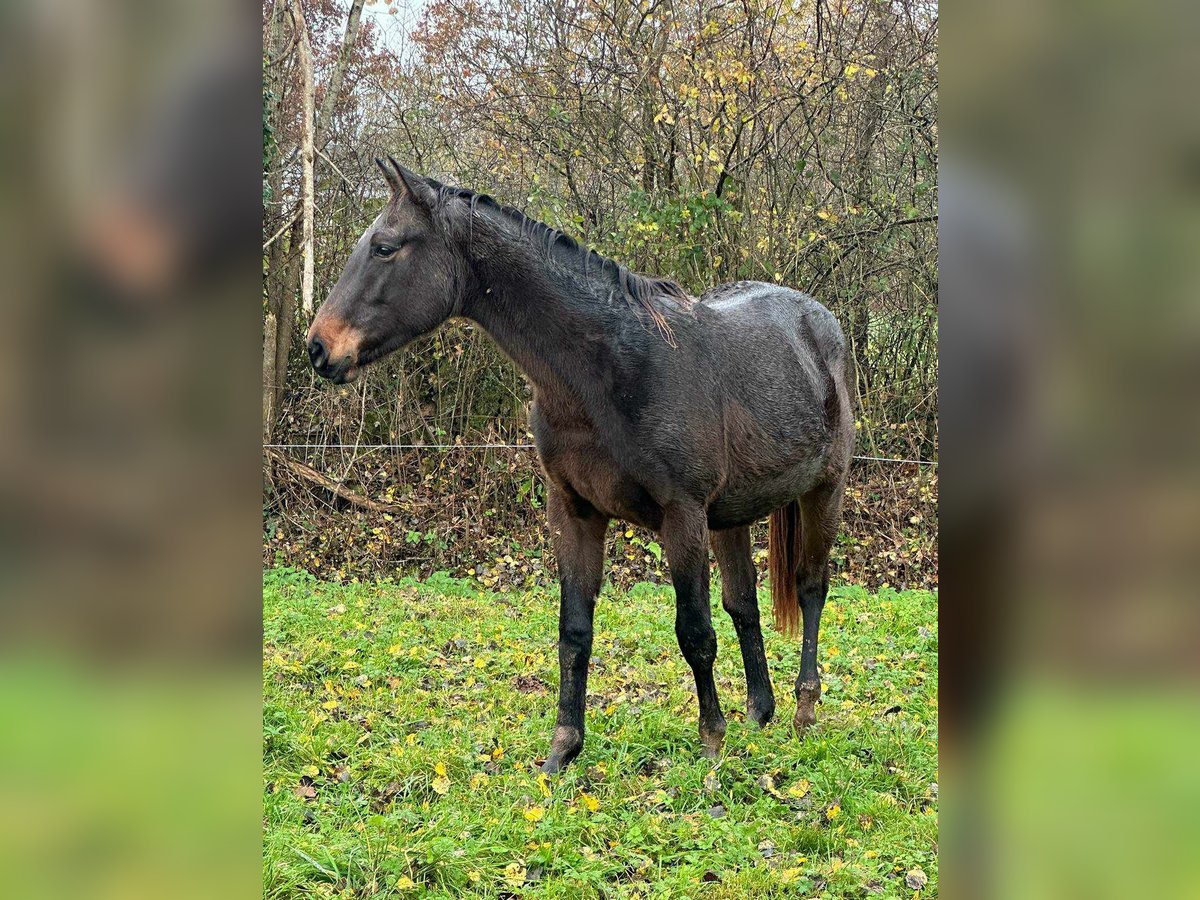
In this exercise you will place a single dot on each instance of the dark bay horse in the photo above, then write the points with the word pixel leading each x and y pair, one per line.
pixel 690 417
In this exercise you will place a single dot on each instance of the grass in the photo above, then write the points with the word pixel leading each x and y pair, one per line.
pixel 402 721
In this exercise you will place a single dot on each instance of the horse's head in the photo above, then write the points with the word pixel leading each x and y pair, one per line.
pixel 399 282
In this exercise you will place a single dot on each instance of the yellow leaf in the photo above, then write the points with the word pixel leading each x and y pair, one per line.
pixel 514 873
pixel 768 784
pixel 799 789
pixel 330 704
pixel 405 883
pixel 833 812
pixel 498 753
pixel 535 813
pixel 441 785
pixel 590 802
pixel 543 784
pixel 440 768
pixel 479 779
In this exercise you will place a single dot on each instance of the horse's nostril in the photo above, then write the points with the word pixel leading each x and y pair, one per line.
pixel 317 352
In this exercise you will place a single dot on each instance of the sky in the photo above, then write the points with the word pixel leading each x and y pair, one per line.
pixel 394 28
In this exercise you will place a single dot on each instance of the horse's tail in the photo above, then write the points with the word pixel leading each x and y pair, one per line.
pixel 783 561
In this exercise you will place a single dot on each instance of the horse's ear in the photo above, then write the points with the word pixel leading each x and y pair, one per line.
pixel 415 187
pixel 390 175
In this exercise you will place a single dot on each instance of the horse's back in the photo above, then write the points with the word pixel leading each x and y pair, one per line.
pixel 757 309
pixel 775 348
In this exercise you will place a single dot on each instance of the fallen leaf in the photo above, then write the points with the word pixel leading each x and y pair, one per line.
pixel 767 783
pixel 916 879
pixel 529 684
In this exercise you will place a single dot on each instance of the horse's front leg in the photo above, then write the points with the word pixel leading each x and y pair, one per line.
pixel 685 537
pixel 578 531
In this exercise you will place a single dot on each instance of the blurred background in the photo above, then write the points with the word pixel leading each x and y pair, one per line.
pixel 153 169
pixel 129 476
pixel 1071 522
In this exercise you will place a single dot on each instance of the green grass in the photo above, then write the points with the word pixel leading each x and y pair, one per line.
pixel 402 721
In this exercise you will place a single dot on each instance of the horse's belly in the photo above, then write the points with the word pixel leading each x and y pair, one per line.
pixel 746 508
pixel 605 487
pixel 746 500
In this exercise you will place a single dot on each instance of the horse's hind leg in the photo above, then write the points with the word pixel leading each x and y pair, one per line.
pixel 820 511
pixel 739 596
pixel 685 537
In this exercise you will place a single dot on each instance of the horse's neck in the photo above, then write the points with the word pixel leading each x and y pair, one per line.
pixel 563 335
pixel 553 337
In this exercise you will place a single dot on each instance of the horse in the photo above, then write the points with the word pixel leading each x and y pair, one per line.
pixel 691 417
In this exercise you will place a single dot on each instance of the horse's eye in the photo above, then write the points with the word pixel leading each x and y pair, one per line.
pixel 383 251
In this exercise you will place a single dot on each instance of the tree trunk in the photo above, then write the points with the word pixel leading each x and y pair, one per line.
pixel 860 318
pixel 304 59
pixel 325 117
pixel 286 311
pixel 268 395
pixel 284 260
pixel 275 257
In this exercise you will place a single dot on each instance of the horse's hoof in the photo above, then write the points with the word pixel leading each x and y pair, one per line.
pixel 760 715
pixel 807 696
pixel 564 747
pixel 711 740
pixel 804 720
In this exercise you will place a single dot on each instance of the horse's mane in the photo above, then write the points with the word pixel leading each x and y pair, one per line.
pixel 641 291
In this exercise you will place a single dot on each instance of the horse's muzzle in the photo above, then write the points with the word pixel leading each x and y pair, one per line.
pixel 339 370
